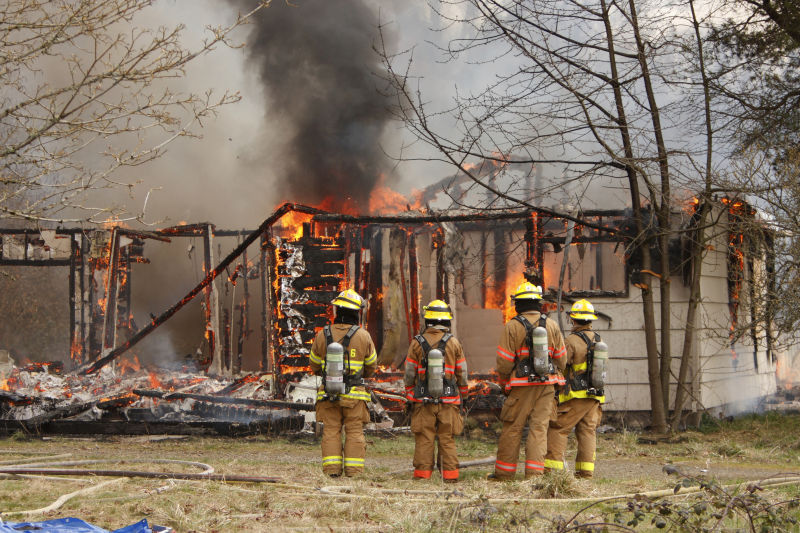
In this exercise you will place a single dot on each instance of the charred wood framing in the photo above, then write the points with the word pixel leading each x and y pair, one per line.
pixel 74 322
pixel 441 276
pixel 211 305
pixel 111 293
pixel 484 271
pixel 409 327
pixel 40 262
pixel 413 280
pixel 244 332
pixel 226 340
pixel 223 399
pixel 500 265
pixel 210 276
pixel 269 303
pixel 78 351
pixel 59 413
pixel 357 250
pixel 310 271
pixel 325 258
pixel 374 273
pixel 472 217
pixel 126 294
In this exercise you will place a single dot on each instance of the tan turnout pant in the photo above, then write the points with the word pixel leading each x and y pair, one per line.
pixel 583 414
pixel 535 406
pixel 429 421
pixel 350 414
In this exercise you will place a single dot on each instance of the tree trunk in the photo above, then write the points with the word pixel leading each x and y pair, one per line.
pixel 697 254
pixel 663 212
pixel 698 245
pixel 658 413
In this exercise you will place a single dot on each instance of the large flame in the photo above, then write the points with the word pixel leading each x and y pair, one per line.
pixel 383 200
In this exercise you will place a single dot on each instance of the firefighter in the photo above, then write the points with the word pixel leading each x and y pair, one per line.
pixel 579 400
pixel 529 359
pixel 436 380
pixel 343 354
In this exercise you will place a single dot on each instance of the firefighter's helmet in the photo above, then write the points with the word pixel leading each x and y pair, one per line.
pixel 582 310
pixel 349 299
pixel 437 310
pixel 527 291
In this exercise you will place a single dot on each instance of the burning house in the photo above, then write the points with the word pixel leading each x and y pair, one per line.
pixel 292 266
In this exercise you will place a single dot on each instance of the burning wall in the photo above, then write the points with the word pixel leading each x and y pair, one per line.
pixel 398 262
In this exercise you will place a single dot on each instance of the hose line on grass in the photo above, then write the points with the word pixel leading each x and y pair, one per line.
pixel 344 491
pixel 455 496
pixel 65 498
pixel 16 462
pixel 207 473
pixel 206 468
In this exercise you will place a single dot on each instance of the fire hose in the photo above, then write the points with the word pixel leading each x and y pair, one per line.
pixel 346 491
pixel 206 474
pixel 458 497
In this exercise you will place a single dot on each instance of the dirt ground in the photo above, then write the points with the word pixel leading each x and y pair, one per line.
pixel 385 498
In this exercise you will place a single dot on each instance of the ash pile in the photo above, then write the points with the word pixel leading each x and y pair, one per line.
pixel 40 399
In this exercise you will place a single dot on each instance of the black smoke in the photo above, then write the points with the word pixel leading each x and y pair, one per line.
pixel 316 62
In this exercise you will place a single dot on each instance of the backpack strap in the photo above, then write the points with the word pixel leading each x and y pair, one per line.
pixel 543 321
pixel 589 349
pixel 328 334
pixel 345 343
pixel 585 338
pixel 424 344
pixel 525 322
pixel 443 341
pixel 348 336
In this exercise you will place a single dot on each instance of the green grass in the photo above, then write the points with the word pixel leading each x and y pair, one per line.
pixel 737 450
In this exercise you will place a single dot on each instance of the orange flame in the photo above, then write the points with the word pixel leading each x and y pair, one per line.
pixel 128 364
pixel 383 200
pixel 291 225
pixel 154 381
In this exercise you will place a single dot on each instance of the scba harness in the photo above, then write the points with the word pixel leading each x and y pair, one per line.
pixel 583 381
pixel 526 367
pixel 350 380
pixel 421 389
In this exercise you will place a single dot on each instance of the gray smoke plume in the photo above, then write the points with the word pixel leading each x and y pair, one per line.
pixel 318 68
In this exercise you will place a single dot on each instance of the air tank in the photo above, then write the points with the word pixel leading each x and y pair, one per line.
pixel 599 365
pixel 435 373
pixel 541 359
pixel 334 369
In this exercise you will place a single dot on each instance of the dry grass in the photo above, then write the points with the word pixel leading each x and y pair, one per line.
pixel 306 500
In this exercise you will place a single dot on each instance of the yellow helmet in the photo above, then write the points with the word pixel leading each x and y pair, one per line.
pixel 582 310
pixel 349 299
pixel 527 291
pixel 437 310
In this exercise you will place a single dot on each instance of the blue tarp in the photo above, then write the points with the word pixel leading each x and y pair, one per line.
pixel 72 525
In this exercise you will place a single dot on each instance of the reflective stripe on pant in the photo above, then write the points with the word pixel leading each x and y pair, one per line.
pixel 350 414
pixel 583 414
pixel 429 422
pixel 553 465
pixel 535 406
